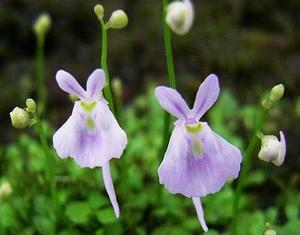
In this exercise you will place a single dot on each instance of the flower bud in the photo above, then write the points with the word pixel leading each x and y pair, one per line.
pixel 30 106
pixel 42 25
pixel 273 150
pixel 270 232
pixel 5 190
pixel 99 11
pixel 19 118
pixel 118 20
pixel 117 87
pixel 180 16
pixel 276 93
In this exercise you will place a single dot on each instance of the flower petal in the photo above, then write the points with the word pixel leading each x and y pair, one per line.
pixel 109 186
pixel 90 148
pixel 207 95
pixel 65 138
pixel 199 210
pixel 281 157
pixel 68 83
pixel 183 173
pixel 170 100
pixel 95 83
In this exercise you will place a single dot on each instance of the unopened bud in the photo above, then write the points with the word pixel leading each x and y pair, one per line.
pixel 276 93
pixel 30 105
pixel 99 11
pixel 5 190
pixel 117 87
pixel 42 25
pixel 180 16
pixel 273 150
pixel 19 118
pixel 270 232
pixel 118 20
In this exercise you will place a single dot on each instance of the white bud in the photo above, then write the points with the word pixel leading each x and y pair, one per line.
pixel 273 150
pixel 19 118
pixel 276 93
pixel 180 16
pixel 99 11
pixel 118 20
pixel 30 105
pixel 270 232
pixel 5 190
pixel 42 25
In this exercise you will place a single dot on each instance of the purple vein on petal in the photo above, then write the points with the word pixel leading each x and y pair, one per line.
pixel 199 210
pixel 110 188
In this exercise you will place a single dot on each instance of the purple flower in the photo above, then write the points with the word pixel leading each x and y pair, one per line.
pixel 198 161
pixel 91 135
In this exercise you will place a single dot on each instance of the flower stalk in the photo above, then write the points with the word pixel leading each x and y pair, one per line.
pixel 41 28
pixel 50 161
pixel 170 70
pixel 107 88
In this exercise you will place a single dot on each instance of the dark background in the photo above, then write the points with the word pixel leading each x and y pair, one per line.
pixel 250 45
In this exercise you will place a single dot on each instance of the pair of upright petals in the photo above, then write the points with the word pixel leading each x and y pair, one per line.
pixel 197 162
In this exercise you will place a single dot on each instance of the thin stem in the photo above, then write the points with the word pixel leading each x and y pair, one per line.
pixel 50 161
pixel 107 88
pixel 39 73
pixel 170 69
pixel 258 120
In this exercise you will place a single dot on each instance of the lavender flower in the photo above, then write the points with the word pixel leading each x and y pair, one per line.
pixel 198 161
pixel 91 135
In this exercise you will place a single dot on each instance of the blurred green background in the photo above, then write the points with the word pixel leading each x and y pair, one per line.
pixel 250 45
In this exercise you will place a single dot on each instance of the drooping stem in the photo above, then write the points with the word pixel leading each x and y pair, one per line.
pixel 39 72
pixel 107 88
pixel 170 69
pixel 50 166
pixel 109 186
pixel 258 121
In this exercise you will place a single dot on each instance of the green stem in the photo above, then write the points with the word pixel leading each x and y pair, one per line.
pixel 39 66
pixel 50 161
pixel 170 69
pixel 107 88
pixel 258 120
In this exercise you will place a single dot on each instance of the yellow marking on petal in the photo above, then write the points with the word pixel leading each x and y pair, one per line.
pixel 196 148
pixel 193 128
pixel 90 123
pixel 88 106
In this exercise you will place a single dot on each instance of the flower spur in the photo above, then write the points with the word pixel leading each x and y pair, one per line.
pixel 197 161
pixel 91 135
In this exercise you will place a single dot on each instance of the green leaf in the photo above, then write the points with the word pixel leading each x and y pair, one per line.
pixel 291 211
pixel 7 218
pixel 78 212
pixel 97 200
pixel 106 216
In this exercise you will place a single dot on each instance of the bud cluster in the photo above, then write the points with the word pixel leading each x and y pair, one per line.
pixel 117 20
pixel 21 117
